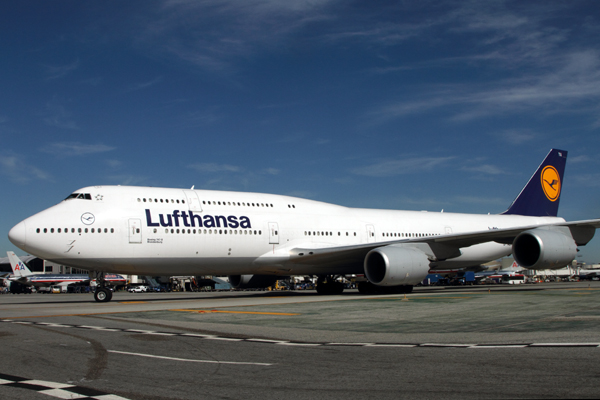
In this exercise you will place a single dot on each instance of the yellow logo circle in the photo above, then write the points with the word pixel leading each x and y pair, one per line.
pixel 551 183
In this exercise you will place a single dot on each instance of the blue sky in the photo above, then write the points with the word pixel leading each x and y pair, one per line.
pixel 424 105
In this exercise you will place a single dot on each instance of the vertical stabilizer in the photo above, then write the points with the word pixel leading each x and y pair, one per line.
pixel 541 195
pixel 19 268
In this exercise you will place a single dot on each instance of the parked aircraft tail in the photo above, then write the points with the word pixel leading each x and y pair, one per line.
pixel 541 195
pixel 19 268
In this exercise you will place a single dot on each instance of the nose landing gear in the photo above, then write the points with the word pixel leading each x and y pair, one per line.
pixel 102 293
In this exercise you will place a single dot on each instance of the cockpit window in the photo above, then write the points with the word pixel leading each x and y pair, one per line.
pixel 84 196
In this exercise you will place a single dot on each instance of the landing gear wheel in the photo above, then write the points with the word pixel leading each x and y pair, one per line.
pixel 329 287
pixel 102 295
pixel 366 288
pixel 369 288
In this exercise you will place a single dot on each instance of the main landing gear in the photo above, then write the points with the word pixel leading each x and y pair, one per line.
pixel 369 288
pixel 102 293
pixel 327 285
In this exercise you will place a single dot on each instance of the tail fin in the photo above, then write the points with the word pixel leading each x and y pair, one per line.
pixel 541 195
pixel 19 268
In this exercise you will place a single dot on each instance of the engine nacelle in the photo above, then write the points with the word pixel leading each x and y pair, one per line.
pixel 252 281
pixel 544 249
pixel 396 265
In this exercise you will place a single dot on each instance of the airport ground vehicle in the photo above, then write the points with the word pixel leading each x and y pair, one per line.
pixel 515 279
pixel 138 289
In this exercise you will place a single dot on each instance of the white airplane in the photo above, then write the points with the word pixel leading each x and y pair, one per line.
pixel 23 275
pixel 258 238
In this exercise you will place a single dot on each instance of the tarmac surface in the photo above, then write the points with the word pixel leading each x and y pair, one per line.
pixel 498 341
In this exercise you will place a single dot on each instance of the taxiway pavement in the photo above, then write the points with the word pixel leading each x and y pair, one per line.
pixel 470 342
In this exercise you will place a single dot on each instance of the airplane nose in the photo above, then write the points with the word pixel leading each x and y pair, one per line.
pixel 17 235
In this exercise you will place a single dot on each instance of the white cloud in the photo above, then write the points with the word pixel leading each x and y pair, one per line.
pixel 568 88
pixel 211 33
pixel 69 149
pixel 517 136
pixel 591 180
pixel 20 171
pixel 212 167
pixel 59 71
pixel 579 159
pixel 114 164
pixel 271 171
pixel 402 166
pixel 58 116
pixel 484 169
pixel 145 85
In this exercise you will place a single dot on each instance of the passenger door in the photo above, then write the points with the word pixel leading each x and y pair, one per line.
pixel 135 230
pixel 192 200
pixel 370 234
pixel 273 233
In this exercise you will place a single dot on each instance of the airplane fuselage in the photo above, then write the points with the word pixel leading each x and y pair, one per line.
pixel 161 231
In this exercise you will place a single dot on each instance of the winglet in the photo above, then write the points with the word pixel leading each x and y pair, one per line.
pixel 541 195
pixel 19 268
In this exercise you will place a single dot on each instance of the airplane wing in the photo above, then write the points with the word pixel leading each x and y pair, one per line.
pixel 441 247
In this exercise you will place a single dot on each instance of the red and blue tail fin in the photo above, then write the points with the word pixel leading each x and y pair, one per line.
pixel 19 268
pixel 541 195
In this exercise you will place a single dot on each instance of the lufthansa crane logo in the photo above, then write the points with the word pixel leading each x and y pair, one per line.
pixel 551 183
pixel 88 218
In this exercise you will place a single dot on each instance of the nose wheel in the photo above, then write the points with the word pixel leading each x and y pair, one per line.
pixel 103 294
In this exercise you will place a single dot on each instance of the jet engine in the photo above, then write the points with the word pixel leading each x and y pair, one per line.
pixel 252 281
pixel 396 265
pixel 544 249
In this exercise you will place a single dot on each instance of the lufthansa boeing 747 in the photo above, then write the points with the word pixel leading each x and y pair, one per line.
pixel 256 239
